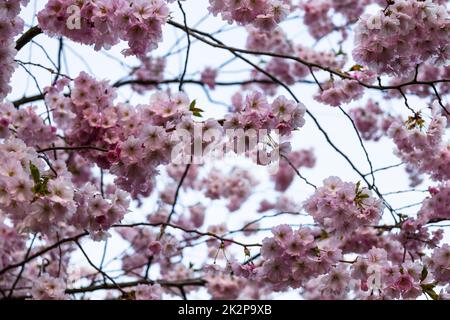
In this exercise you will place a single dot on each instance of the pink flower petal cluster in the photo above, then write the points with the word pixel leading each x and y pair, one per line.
pixel 370 120
pixel 382 279
pixel 46 287
pixel 439 264
pixel 135 139
pixel 148 74
pixel 104 23
pixel 27 125
pixel 263 14
pixel 285 174
pixel 10 26
pixel 235 186
pixel 415 237
pixel 29 193
pixel 424 150
pixel 144 241
pixel 96 213
pixel 12 244
pixel 318 15
pixel 342 207
pixel 436 207
pixel 148 292
pixel 256 113
pixel 291 257
pixel 282 204
pixel 224 287
pixel 406 34
pixel 288 71
pixel 271 41
pixel 208 77
pixel 40 198
pixel 427 72
pixel 337 92
pixel 148 244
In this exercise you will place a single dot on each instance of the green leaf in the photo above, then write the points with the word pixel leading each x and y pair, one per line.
pixel 424 273
pixel 35 174
pixel 192 105
pixel 428 289
pixel 197 112
pixel 358 184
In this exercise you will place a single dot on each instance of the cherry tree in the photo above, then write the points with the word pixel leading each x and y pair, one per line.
pixel 216 177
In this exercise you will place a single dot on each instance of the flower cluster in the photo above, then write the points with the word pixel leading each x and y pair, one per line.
pixel 236 186
pixel 43 200
pixel 371 121
pixel 256 113
pixel 287 71
pixel 439 263
pixel 26 124
pixel 148 292
pixel 208 77
pixel 343 207
pixel 327 59
pixel 149 244
pixel 285 174
pixel 428 72
pixel 436 207
pixel 291 257
pixel 382 279
pixel 404 35
pixel 29 193
pixel 224 287
pixel 337 92
pixel 425 150
pixel 318 15
pixel 48 288
pixel 415 237
pixel 114 133
pixel 12 244
pixel 282 204
pixel 148 74
pixel 10 26
pixel 273 41
pixel 263 14
pixel 104 23
pixel 96 213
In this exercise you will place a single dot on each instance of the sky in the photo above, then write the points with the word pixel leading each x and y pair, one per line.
pixel 113 66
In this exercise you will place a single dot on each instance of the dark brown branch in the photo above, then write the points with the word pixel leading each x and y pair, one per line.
pixel 298 172
pixel 120 83
pixel 205 234
pixel 188 49
pixel 27 37
pixel 41 252
pixel 164 283
pixel 177 192
pixel 72 149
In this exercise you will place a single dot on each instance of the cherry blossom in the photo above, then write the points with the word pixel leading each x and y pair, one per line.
pixel 203 177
